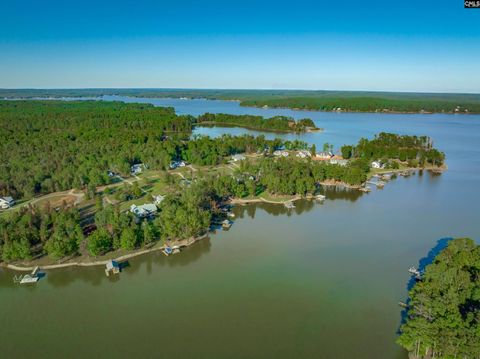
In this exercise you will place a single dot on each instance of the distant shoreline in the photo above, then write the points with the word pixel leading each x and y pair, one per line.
pixel 358 111
pixel 97 97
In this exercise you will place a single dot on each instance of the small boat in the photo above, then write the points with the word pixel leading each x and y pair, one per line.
pixel 226 224
pixel 167 251
pixel 380 184
pixel 320 197
pixel 231 214
pixel 289 205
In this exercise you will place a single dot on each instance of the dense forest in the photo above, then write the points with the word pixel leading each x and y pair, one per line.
pixel 444 306
pixel 416 150
pixel 31 231
pixel 368 104
pixel 277 123
pixel 365 101
pixel 54 145
pixel 49 146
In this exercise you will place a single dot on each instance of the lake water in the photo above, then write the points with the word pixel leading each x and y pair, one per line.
pixel 320 281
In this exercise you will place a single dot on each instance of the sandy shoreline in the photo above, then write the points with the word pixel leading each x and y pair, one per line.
pixel 100 262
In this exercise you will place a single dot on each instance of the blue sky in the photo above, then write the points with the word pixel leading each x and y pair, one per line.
pixel 407 45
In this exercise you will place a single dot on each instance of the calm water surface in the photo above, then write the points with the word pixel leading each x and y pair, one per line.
pixel 320 281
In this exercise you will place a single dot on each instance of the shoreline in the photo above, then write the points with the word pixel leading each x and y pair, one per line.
pixel 226 124
pixel 99 262
pixel 84 262
pixel 266 107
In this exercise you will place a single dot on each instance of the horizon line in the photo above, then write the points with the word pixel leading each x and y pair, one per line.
pixel 236 89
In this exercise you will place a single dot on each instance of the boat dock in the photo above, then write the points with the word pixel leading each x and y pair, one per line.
pixel 289 205
pixel 365 189
pixel 112 267
pixel 167 251
pixel 415 273
pixel 226 224
pixel 33 277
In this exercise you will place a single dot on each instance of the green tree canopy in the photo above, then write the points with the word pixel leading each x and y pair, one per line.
pixel 444 307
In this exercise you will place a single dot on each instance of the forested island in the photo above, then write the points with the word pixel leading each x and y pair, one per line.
pixel 275 124
pixel 443 319
pixel 352 101
pixel 83 158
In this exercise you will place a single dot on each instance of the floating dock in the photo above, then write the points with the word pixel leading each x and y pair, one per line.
pixel 415 273
pixel 112 267
pixel 289 205
pixel 33 277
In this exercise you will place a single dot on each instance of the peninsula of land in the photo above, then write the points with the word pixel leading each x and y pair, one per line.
pixel 96 180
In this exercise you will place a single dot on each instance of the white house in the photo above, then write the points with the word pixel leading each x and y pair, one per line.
pixel 175 164
pixel 340 162
pixel 304 154
pixel 136 168
pixel 143 211
pixel 377 165
pixel 238 157
pixel 6 202
pixel 324 155
pixel 279 153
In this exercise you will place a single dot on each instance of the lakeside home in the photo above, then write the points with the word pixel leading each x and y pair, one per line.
pixel 136 168
pixel 176 164
pixel 144 210
pixel 304 154
pixel 279 153
pixel 338 161
pixel 377 165
pixel 6 202
pixel 324 155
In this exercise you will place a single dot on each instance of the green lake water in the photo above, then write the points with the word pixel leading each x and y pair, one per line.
pixel 318 281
